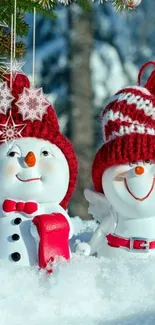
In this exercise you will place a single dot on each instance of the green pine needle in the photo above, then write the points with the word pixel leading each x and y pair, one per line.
pixel 84 4
pixel 44 7
pixel 28 6
pixel 119 5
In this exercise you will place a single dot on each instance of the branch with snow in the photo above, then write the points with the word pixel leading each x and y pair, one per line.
pixel 119 4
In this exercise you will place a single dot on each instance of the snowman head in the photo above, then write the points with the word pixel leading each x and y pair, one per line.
pixel 36 162
pixel 130 188
pixel 33 169
pixel 124 167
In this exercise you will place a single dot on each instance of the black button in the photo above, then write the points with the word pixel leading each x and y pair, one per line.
pixel 15 256
pixel 15 237
pixel 17 221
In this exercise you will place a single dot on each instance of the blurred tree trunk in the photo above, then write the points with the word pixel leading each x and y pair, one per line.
pixel 81 96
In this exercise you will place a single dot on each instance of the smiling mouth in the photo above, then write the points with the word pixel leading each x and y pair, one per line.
pixel 28 180
pixel 137 198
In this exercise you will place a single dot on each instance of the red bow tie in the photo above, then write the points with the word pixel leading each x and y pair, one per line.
pixel 13 206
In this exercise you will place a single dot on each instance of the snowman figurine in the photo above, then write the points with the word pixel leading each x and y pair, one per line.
pixel 123 174
pixel 38 171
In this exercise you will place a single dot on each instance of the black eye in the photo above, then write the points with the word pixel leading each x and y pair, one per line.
pixel 133 163
pixel 12 154
pixel 45 153
pixel 148 161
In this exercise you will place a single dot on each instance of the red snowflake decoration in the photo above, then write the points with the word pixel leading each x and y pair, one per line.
pixel 32 104
pixel 10 131
pixel 6 98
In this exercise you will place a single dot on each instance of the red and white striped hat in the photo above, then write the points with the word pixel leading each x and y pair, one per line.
pixel 128 125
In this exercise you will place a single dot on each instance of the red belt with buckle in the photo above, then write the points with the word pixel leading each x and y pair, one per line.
pixel 133 243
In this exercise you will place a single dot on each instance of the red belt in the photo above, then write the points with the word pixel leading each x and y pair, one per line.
pixel 133 243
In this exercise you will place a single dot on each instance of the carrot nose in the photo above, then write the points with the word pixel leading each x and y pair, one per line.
pixel 30 159
pixel 139 170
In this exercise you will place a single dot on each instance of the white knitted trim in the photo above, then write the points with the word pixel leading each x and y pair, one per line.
pixel 144 104
pixel 119 96
pixel 134 128
pixel 111 116
pixel 142 89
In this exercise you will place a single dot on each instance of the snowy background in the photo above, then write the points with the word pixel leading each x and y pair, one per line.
pixel 86 290
pixel 122 42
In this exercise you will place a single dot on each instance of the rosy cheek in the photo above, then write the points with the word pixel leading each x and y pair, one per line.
pixel 11 170
pixel 47 166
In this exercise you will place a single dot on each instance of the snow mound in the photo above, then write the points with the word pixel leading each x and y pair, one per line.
pixel 85 291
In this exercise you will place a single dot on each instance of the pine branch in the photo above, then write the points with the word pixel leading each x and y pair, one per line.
pixel 84 4
pixel 45 7
pixel 22 27
pixel 26 6
pixel 5 15
pixel 119 5
pixel 5 45
pixel 6 10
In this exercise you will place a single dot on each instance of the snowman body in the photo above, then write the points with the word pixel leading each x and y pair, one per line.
pixel 16 241
pixel 129 228
pixel 123 172
pixel 43 180
pixel 131 233
pixel 17 238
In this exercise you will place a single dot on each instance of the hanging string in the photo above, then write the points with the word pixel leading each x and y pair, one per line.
pixel 34 44
pixel 11 53
pixel 13 40
pixel 15 22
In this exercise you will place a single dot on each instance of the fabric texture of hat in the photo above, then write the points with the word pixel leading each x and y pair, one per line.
pixel 46 129
pixel 128 127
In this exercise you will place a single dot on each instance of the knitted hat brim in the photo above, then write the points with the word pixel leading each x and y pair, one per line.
pixel 125 149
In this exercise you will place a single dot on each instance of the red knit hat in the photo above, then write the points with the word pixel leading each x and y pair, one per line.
pixel 46 129
pixel 128 125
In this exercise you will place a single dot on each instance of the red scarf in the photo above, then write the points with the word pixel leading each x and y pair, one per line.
pixel 53 230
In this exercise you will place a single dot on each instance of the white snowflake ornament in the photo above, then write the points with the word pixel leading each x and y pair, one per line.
pixel 6 97
pixel 32 104
pixel 10 131
pixel 13 68
pixel 3 24
pixel 131 4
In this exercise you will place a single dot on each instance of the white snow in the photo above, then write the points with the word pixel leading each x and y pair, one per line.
pixel 107 72
pixel 85 291
pixel 83 226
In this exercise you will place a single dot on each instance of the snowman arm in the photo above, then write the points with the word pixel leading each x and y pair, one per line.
pixel 99 206
pixel 97 236
pixel 71 233
pixel 105 227
pixel 65 214
pixel 34 232
pixel 91 247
